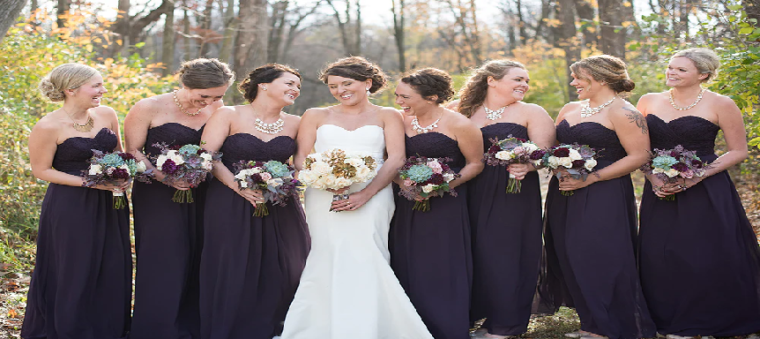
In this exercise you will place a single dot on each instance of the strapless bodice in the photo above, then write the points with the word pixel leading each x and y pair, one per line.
pixel 594 134
pixel 244 146
pixel 692 132
pixel 170 133
pixel 435 145
pixel 72 154
pixel 369 139
pixel 502 130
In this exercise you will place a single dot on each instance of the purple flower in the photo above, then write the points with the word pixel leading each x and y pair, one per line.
pixel 494 149
pixel 579 163
pixel 681 167
pixel 537 155
pixel 126 156
pixel 120 173
pixel 256 177
pixel 561 152
pixel 169 167
pixel 436 179
pixel 697 164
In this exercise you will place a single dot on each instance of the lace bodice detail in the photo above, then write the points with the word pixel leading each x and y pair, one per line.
pixel 435 145
pixel 502 130
pixel 594 134
pixel 244 146
pixel 72 154
pixel 170 133
pixel 692 132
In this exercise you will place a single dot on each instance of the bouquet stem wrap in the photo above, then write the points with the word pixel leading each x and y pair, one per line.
pixel 183 196
pixel 119 202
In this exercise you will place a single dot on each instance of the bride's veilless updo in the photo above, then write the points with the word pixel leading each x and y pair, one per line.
pixel 263 75
pixel 356 68
pixel 429 82
pixel 63 77
pixel 605 68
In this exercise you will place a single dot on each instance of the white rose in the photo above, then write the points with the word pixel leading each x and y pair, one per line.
pixel 553 162
pixel 590 164
pixel 124 167
pixel 503 155
pixel 95 169
pixel 671 173
pixel 529 147
pixel 343 182
pixel 206 156
pixel 363 173
pixel 566 162
pixel 141 167
pixel 244 184
pixel 306 176
pixel 178 160
pixel 321 168
pixel 448 177
pixel 208 165
pixel 319 184
pixel 329 181
pixel 658 170
pixel 428 188
pixel 241 175
pixel 574 155
pixel 171 153
pixel 160 162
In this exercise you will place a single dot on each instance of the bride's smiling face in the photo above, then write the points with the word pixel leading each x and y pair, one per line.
pixel 348 91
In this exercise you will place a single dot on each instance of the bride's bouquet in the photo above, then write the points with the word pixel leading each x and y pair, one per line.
pixel 426 178
pixel 577 160
pixel 273 178
pixel 189 164
pixel 114 168
pixel 674 165
pixel 513 151
pixel 336 169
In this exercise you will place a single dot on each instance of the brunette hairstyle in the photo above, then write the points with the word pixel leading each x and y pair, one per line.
pixel 606 68
pixel 472 95
pixel 429 82
pixel 205 73
pixel 263 75
pixel 356 68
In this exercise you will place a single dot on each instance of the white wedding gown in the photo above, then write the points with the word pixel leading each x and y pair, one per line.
pixel 347 289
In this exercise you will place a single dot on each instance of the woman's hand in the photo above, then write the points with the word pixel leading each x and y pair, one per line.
pixel 659 187
pixel 121 187
pixel 338 191
pixel 518 170
pixel 180 185
pixel 568 183
pixel 353 202
pixel 255 197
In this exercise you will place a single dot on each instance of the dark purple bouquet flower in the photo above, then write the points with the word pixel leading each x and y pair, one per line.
pixel 188 164
pixel 513 151
pixel 426 177
pixel 577 160
pixel 273 178
pixel 674 165
pixel 114 168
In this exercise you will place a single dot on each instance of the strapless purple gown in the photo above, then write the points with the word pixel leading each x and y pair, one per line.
pixel 430 251
pixel 250 266
pixel 699 258
pixel 506 242
pixel 81 286
pixel 168 241
pixel 589 240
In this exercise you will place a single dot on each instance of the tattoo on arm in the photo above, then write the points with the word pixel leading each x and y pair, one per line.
pixel 636 117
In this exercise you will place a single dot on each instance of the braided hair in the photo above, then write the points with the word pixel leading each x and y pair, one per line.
pixel 606 68
pixel 429 82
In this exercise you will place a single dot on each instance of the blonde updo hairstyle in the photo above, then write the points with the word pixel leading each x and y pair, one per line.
pixel 204 73
pixel 605 68
pixel 356 68
pixel 706 61
pixel 65 77
pixel 472 95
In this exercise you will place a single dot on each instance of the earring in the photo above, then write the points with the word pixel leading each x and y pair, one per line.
pixel 264 88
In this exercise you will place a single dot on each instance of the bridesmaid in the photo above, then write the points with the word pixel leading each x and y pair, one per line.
pixel 81 282
pixel 430 251
pixel 699 258
pixel 168 235
pixel 506 228
pixel 250 266
pixel 589 235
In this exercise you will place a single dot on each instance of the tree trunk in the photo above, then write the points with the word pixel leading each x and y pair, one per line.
pixel 252 38
pixel 9 16
pixel 568 40
pixel 398 33
pixel 230 27
pixel 588 22
pixel 752 7
pixel 613 32
pixel 277 30
pixel 138 25
pixel 61 11
pixel 358 29
pixel 206 26
pixel 167 48
pixel 186 33
pixel 521 23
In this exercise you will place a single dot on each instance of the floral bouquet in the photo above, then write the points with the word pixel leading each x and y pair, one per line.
pixel 189 164
pixel 513 151
pixel 426 177
pixel 114 168
pixel 273 178
pixel 672 165
pixel 578 160
pixel 335 169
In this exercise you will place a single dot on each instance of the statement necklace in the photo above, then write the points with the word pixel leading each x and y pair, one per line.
pixel 273 128
pixel 422 130
pixel 182 109
pixel 494 114
pixel 587 111
pixel 673 102
pixel 86 127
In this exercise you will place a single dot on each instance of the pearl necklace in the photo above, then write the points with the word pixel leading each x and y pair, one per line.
pixel 494 114
pixel 182 109
pixel 673 102
pixel 273 128
pixel 422 130
pixel 587 111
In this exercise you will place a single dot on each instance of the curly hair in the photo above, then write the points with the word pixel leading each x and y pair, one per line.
pixel 606 68
pixel 356 68
pixel 706 61
pixel 472 95
pixel 204 73
pixel 63 77
pixel 249 87
pixel 429 82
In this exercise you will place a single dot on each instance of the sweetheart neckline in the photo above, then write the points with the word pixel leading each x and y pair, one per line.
pixel 91 138
pixel 176 123
pixel 262 140
pixel 349 130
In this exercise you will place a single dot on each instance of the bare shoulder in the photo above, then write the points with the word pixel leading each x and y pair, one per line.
pixel 454 105
pixel 722 101
pixel 459 121
pixel 48 125
pixel 316 113
pixel 105 112
pixel 534 110
pixel 389 113
pixel 291 117
pixel 569 107
pixel 627 113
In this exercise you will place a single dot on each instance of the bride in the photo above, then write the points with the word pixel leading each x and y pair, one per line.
pixel 348 289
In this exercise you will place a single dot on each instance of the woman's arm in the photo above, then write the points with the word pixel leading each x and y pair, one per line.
pixel 541 131
pixel 730 120
pixel 470 141
pixel 307 136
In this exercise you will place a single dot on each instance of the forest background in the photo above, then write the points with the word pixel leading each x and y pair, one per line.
pixel 138 44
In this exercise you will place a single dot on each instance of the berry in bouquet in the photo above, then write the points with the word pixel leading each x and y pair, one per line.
pixel 114 168
pixel 513 150
pixel 189 164
pixel 273 178
pixel 673 166
pixel 577 160
pixel 336 170
pixel 426 178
